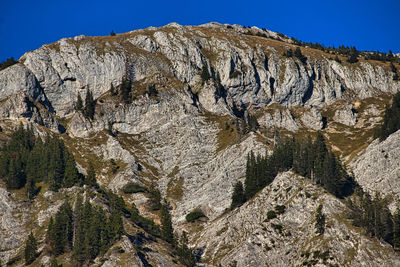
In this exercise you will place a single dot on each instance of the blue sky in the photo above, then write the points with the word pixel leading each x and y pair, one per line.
pixel 369 25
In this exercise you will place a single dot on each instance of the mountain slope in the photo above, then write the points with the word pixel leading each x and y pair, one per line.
pixel 202 98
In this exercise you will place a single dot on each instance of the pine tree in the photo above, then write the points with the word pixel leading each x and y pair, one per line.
pixel 396 229
pixel 167 231
pixel 126 90
pixel 79 103
pixel 30 249
pixel 90 105
pixel 238 197
pixel 116 224
pixel 185 254
pixel 299 55
pixel 53 262
pixel 50 235
pixel 90 178
pixel 112 90
pixel 79 236
pixel 71 176
pixel 320 221
pixel 353 55
pixel 205 75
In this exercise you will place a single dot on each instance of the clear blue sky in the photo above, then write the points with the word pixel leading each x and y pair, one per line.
pixel 369 25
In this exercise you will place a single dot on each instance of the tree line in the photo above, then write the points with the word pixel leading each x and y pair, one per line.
pixel 86 231
pixel 7 63
pixel 391 119
pixel 311 159
pixel 373 215
pixel 27 159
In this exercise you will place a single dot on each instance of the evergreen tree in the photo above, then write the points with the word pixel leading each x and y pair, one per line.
pixel 320 221
pixel 299 55
pixel 205 75
pixel 90 105
pixel 185 254
pixel 50 235
pixel 54 263
pixel 251 179
pixel 91 176
pixel 112 90
pixel 71 175
pixel 126 90
pixel 116 224
pixel 167 231
pixel 80 226
pixel 238 197
pixel 79 103
pixel 396 229
pixel 30 249
pixel 353 55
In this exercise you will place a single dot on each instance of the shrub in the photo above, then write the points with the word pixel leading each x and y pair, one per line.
pixel 132 188
pixel 280 209
pixel 271 214
pixel 194 215
pixel 112 33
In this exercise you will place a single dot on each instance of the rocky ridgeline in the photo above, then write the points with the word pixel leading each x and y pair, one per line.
pixel 192 139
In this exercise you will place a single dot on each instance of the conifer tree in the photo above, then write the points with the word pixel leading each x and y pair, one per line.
pixel 205 75
pixel 112 90
pixel 53 262
pixel 50 235
pixel 167 231
pixel 185 254
pixel 116 224
pixel 90 178
pixel 71 176
pixel 79 103
pixel 90 105
pixel 396 229
pixel 30 249
pixel 238 197
pixel 320 221
pixel 126 90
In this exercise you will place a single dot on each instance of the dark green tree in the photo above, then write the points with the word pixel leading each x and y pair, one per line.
pixel 205 75
pixel 112 33
pixel 90 178
pixel 353 55
pixel 54 263
pixel 30 249
pixel 126 90
pixel 79 103
pixel 396 229
pixel 238 197
pixel 299 55
pixel 319 221
pixel 185 254
pixel 90 105
pixel 112 90
pixel 167 230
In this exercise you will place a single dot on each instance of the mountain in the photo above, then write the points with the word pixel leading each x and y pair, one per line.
pixel 178 109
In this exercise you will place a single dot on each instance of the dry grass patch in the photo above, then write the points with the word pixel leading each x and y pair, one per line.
pixel 228 132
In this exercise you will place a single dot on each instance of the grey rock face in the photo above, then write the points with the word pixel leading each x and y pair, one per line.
pixel 346 115
pixel 21 106
pixel 246 235
pixel 280 118
pixel 252 75
pixel 13 216
pixel 377 168
pixel 312 119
